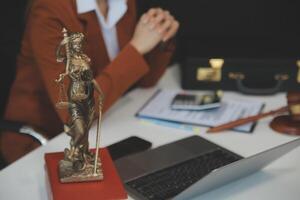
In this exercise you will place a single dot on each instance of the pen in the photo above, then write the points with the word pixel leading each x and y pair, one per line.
pixel 242 121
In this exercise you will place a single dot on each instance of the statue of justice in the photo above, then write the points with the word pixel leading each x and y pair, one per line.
pixel 79 163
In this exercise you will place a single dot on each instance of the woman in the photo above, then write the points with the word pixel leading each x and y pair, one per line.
pixel 124 52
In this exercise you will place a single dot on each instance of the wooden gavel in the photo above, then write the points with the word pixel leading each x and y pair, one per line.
pixel 289 124
pixel 294 105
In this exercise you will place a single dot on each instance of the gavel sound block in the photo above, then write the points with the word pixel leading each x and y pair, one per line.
pixel 289 124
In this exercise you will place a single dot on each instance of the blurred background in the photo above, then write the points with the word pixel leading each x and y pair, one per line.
pixel 235 28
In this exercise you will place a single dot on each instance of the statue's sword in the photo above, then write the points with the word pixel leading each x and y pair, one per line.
pixel 98 138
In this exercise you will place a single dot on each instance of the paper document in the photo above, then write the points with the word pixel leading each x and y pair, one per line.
pixel 158 107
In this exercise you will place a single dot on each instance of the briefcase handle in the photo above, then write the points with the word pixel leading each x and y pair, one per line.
pixel 239 77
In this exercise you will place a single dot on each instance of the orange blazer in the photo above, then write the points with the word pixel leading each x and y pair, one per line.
pixel 34 92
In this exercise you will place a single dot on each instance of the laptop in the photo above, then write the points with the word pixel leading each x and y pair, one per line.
pixel 189 167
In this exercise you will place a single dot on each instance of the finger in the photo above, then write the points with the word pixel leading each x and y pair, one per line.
pixel 160 18
pixel 170 17
pixel 155 21
pixel 153 12
pixel 172 31
pixel 145 19
pixel 165 26
pixel 162 15
pixel 167 13
pixel 148 16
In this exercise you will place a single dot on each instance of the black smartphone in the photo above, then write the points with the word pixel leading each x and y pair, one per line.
pixel 128 146
pixel 184 101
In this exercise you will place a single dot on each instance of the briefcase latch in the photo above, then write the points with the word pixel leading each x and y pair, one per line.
pixel 213 73
pixel 298 76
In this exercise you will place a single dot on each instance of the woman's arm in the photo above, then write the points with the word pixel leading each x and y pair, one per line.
pixel 45 24
pixel 160 56
pixel 47 18
pixel 143 64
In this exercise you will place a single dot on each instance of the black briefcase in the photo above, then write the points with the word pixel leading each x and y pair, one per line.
pixel 249 76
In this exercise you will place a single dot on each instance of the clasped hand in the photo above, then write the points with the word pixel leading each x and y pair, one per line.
pixel 154 26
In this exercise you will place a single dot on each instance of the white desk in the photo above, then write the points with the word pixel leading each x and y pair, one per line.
pixel 25 179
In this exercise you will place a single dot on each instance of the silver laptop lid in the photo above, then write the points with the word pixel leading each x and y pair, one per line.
pixel 236 170
pixel 167 155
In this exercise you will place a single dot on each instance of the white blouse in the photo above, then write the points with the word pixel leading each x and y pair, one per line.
pixel 116 10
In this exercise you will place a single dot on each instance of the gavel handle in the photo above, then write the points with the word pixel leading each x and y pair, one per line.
pixel 246 120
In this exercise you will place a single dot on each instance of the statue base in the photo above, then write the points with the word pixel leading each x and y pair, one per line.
pixel 286 125
pixel 68 175
pixel 111 187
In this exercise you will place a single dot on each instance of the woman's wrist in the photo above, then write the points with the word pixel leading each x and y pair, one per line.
pixel 138 47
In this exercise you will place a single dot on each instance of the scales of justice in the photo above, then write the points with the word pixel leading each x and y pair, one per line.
pixel 79 163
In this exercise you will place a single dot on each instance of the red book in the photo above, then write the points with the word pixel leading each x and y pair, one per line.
pixel 109 188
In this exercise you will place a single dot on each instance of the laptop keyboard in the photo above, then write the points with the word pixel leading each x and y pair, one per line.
pixel 169 182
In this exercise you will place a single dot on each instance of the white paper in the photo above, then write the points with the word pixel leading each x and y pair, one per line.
pixel 231 109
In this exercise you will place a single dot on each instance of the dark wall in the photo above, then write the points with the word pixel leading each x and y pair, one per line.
pixel 11 21
pixel 235 28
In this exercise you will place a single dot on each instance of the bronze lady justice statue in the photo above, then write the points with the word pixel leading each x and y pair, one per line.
pixel 79 163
